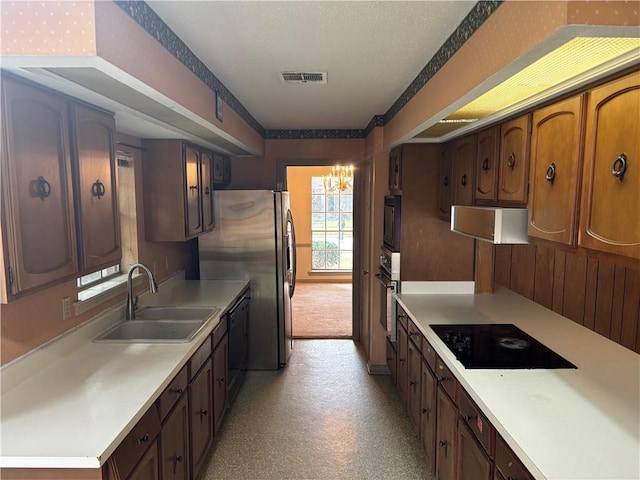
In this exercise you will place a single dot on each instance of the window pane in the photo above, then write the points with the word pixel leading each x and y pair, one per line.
pixel 317 241
pixel 346 260
pixel 333 240
pixel 346 221
pixel 317 221
pixel 317 260
pixel 346 203
pixel 333 203
pixel 346 241
pixel 92 277
pixel 333 259
pixel 317 185
pixel 317 203
pixel 333 221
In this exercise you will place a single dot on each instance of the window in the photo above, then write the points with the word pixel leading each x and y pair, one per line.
pixel 331 227
pixel 87 281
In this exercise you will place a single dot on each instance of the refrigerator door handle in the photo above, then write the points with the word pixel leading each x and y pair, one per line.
pixel 292 254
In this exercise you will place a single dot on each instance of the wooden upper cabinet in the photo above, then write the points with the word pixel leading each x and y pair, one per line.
pixel 445 171
pixel 486 191
pixel 221 170
pixel 96 195
pixel 464 155
pixel 178 197
pixel 39 230
pixel 610 213
pixel 556 153
pixel 514 160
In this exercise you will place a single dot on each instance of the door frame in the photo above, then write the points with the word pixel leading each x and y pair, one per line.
pixel 358 237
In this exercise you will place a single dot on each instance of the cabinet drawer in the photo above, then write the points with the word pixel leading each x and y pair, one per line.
pixel 429 354
pixel 508 464
pixel 446 380
pixel 198 358
pixel 132 448
pixel 402 316
pixel 172 393
pixel 414 334
pixel 219 331
pixel 477 422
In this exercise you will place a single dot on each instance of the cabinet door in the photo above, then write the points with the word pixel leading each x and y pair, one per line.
pixel 395 170
pixel 444 182
pixel 96 195
pixel 514 161
pixel 221 170
pixel 147 469
pixel 610 217
pixel 428 411
pixel 403 366
pixel 200 416
pixel 556 151
pixel 446 437
pixel 414 386
pixel 37 195
pixel 473 463
pixel 486 191
pixel 220 370
pixel 174 443
pixel 193 185
pixel 392 361
pixel 206 173
pixel 463 165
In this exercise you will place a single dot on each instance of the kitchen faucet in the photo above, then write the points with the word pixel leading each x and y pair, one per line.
pixel 153 288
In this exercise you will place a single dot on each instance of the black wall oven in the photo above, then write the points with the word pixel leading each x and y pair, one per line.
pixel 392 214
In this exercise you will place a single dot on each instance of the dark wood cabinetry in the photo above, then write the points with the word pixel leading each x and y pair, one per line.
pixel 486 164
pixel 609 213
pixel 174 442
pixel 178 190
pixel 221 170
pixel 464 156
pixel 473 462
pixel 414 384
pixel 428 413
pixel 200 416
pixel 514 161
pixel 402 371
pixel 59 201
pixel 446 436
pixel 98 221
pixel 507 463
pixel 556 153
pixel 445 182
pixel 220 376
pixel 147 468
pixel 395 170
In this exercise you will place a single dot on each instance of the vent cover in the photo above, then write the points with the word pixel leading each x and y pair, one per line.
pixel 304 77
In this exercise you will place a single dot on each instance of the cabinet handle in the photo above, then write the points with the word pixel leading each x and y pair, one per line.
pixel 512 478
pixel 467 418
pixel 511 161
pixel 220 379
pixel 43 188
pixel 412 383
pixel 463 181
pixel 193 187
pixel 446 181
pixel 441 379
pixel 144 439
pixel 485 164
pixel 177 391
pixel 177 459
pixel 206 190
pixel 97 189
pixel 551 173
pixel 619 166
pixel 203 413
pixel 426 411
pixel 443 444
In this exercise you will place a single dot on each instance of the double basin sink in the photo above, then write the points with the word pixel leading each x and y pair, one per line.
pixel 156 324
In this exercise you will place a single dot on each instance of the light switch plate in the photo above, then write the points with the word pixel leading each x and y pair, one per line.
pixel 66 308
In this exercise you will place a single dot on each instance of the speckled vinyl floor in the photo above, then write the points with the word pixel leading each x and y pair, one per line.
pixel 322 417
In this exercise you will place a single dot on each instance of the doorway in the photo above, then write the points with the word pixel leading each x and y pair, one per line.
pixel 324 219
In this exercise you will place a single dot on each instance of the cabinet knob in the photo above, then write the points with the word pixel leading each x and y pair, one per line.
pixel 551 173
pixel 463 180
pixel 177 391
pixel 485 164
pixel 467 418
pixel 511 161
pixel 206 190
pixel 619 166
pixel 426 411
pixel 97 189
pixel 42 188
pixel 446 181
pixel 144 438
pixel 193 187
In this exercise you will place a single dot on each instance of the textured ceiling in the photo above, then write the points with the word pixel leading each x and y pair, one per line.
pixel 371 50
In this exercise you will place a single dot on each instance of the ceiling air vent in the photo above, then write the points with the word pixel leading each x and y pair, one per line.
pixel 303 77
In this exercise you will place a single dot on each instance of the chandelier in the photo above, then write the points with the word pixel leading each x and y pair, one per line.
pixel 340 178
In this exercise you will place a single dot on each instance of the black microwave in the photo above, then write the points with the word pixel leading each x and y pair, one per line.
pixel 391 235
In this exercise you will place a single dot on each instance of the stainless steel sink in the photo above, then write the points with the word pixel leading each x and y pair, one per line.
pixel 160 325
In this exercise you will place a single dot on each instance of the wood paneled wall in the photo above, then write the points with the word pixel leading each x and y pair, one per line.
pixel 600 294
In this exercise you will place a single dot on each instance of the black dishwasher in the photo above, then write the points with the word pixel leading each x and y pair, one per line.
pixel 238 331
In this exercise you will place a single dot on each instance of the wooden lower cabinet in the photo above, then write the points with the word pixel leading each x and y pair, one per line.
pixel 200 416
pixel 473 463
pixel 414 385
pixel 174 443
pixel 147 468
pixel 446 437
pixel 220 369
pixel 403 366
pixel 428 415
pixel 392 360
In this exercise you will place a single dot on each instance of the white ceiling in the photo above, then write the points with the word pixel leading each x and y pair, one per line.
pixel 371 50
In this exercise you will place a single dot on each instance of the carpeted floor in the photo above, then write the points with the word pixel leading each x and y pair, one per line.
pixel 322 310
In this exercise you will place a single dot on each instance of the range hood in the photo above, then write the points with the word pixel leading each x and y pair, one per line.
pixel 491 224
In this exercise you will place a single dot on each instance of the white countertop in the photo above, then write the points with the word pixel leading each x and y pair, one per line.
pixel 579 423
pixel 70 403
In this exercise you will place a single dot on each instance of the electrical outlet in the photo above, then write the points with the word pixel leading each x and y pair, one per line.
pixel 66 308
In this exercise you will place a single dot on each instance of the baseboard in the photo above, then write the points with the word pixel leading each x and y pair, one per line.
pixel 378 369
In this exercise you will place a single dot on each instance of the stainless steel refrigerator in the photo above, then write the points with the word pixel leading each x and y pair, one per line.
pixel 254 239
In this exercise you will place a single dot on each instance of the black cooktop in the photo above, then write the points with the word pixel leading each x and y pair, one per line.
pixel 497 346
